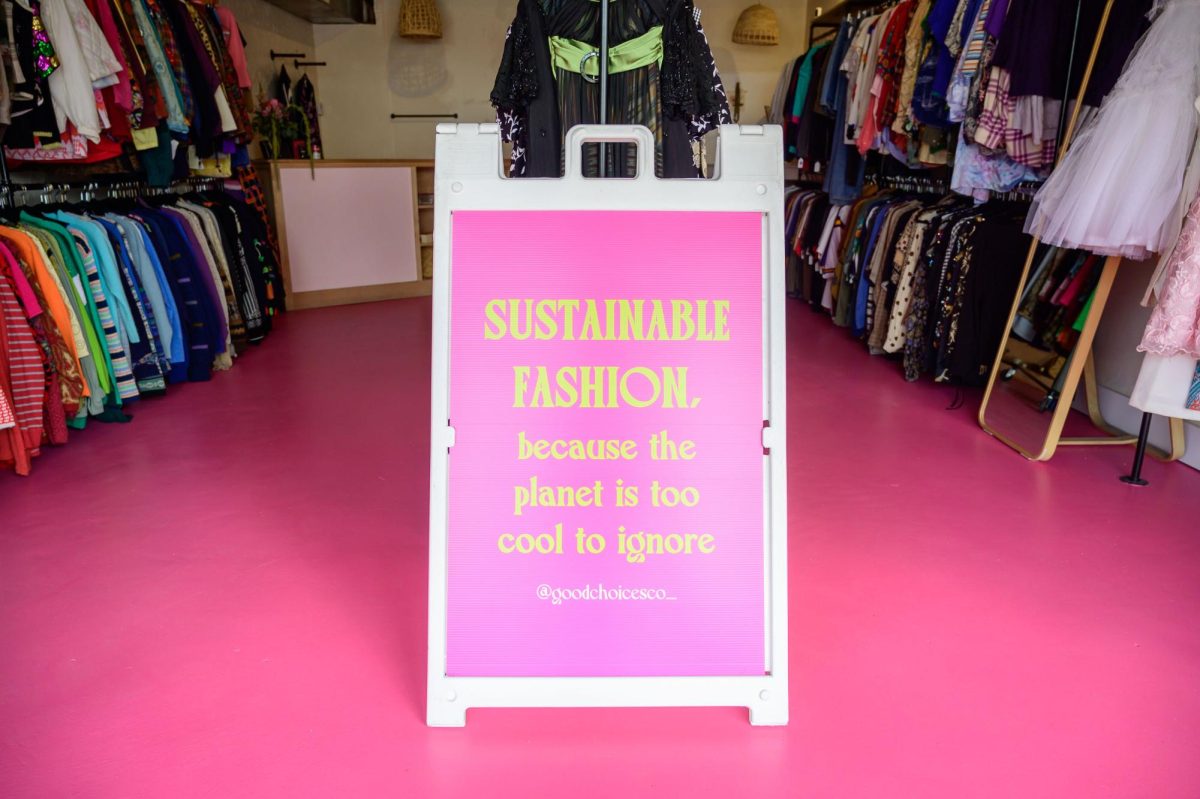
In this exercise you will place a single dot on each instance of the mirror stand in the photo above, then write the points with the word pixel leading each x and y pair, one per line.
pixel 1032 385
pixel 1116 436
pixel 1013 412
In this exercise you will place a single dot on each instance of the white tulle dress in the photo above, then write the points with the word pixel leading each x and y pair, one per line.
pixel 1116 190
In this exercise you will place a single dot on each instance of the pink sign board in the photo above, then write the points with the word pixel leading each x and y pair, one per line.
pixel 606 511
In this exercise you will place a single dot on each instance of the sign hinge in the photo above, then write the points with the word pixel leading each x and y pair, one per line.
pixel 768 436
pixel 448 436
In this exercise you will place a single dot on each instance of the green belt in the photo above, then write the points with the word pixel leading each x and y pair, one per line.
pixel 576 56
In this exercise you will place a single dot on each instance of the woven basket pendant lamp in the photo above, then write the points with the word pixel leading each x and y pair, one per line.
pixel 757 25
pixel 420 19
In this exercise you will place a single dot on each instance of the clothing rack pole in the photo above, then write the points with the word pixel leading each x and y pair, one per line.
pixel 1139 454
pixel 1062 113
pixel 603 82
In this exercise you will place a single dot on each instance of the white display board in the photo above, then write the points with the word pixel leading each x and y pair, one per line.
pixel 608 480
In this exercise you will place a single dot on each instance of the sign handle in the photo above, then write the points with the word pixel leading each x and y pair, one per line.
pixel 613 134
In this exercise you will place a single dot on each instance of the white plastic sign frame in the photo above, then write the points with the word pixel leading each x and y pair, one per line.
pixel 749 178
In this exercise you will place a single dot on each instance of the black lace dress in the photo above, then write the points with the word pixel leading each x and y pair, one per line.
pixel 677 95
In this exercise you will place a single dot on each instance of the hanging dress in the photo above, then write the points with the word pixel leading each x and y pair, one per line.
pixel 1117 186
pixel 1174 327
pixel 305 96
pixel 661 75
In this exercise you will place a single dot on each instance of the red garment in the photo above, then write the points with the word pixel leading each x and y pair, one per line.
pixel 890 67
pixel 23 375
pixel 881 109
pixel 1070 292
pixel 42 326
pixel 7 421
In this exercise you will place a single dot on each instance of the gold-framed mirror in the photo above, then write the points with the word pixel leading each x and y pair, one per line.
pixel 1046 350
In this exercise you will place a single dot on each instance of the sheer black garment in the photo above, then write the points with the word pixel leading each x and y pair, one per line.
pixel 679 98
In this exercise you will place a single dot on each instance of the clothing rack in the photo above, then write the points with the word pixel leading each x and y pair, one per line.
pixel 193 273
pixel 114 186
pixel 919 185
pixel 1081 367
pixel 832 19
pixel 912 184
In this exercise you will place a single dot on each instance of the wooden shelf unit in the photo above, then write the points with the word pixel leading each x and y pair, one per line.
pixel 299 298
pixel 424 188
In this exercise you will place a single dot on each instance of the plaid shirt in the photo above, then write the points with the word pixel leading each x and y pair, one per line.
pixel 890 67
pixel 995 131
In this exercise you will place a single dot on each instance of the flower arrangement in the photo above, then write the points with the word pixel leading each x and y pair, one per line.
pixel 273 123
pixel 277 123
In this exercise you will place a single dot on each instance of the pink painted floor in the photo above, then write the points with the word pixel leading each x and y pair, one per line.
pixel 227 599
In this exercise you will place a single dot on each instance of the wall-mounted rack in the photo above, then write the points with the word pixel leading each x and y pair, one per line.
pixel 300 64
pixel 275 55
pixel 829 21
pixel 424 116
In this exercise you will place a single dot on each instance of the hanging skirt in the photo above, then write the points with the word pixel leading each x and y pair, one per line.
pixel 1117 187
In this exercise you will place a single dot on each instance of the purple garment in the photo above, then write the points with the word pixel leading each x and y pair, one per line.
pixel 217 296
pixel 1027 45
pixel 997 13
pixel 1035 45
pixel 201 75
pixel 1127 21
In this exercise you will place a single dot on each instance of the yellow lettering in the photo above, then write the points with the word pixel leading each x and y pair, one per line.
pixel 703 331
pixel 542 398
pixel 567 380
pixel 631 320
pixel 675 387
pixel 658 322
pixel 591 323
pixel 520 385
pixel 721 320
pixel 682 325
pixel 494 311
pixel 514 319
pixel 627 395
pixel 592 389
pixel 568 308
pixel 547 324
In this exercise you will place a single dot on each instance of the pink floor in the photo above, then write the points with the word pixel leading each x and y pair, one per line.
pixel 227 599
